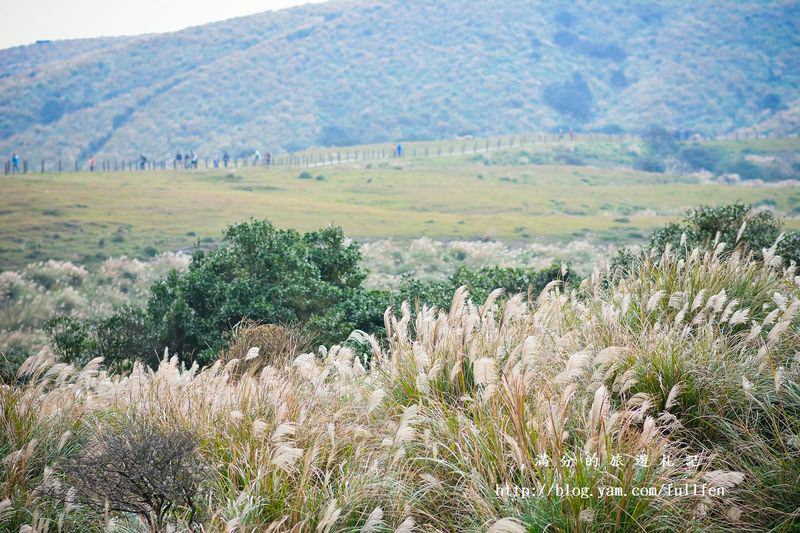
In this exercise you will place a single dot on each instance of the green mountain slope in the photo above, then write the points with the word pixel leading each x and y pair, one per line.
pixel 357 71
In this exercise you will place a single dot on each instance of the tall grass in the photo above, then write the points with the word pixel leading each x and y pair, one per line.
pixel 682 372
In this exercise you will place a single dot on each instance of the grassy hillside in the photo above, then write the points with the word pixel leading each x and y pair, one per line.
pixel 358 71
pixel 502 195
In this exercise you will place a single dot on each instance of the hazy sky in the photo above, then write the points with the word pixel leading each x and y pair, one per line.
pixel 26 21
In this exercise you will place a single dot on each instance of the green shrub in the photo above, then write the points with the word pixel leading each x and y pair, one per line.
pixel 701 225
pixel 479 284
pixel 305 175
pixel 70 339
pixel 125 336
pixel 267 275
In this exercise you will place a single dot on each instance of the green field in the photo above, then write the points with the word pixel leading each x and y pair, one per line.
pixel 88 216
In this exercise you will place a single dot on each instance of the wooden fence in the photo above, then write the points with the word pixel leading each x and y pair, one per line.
pixel 336 156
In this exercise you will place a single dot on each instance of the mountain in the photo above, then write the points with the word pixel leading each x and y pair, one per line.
pixel 360 71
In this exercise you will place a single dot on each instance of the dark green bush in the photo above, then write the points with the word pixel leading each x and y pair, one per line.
pixel 702 224
pixel 70 339
pixel 479 284
pixel 125 336
pixel 270 276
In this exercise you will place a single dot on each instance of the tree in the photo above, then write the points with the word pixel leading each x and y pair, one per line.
pixel 137 468
pixel 270 276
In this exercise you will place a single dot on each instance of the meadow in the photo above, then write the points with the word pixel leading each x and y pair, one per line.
pixel 87 217
pixel 651 390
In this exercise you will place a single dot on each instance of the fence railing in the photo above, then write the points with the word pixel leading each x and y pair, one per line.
pixel 335 156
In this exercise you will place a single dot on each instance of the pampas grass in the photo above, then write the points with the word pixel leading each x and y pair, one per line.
pixel 683 372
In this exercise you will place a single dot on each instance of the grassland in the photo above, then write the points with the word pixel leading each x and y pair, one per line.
pixel 88 216
pixel 682 373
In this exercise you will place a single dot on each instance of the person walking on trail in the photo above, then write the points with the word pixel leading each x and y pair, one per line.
pixel 186 161
pixel 178 160
pixel 142 162
pixel 216 161
pixel 92 163
pixel 225 159
pixel 267 159
pixel 399 150
pixel 256 158
pixel 571 134
pixel 14 163
pixel 194 159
